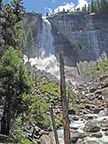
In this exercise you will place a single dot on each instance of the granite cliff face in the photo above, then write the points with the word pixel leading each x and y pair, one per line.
pixel 83 37
pixel 33 21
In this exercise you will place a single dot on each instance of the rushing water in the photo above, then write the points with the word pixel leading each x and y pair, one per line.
pixel 46 60
pixel 46 38
pixel 80 125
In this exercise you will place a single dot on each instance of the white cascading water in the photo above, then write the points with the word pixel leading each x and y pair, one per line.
pixel 47 38
pixel 79 126
pixel 46 60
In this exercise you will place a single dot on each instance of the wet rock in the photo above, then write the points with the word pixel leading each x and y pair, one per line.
pixel 3 137
pixel 91 142
pixel 100 97
pixel 71 112
pixel 79 141
pixel 103 112
pixel 98 92
pixel 90 106
pixel 106 133
pixel 89 116
pixel 91 126
pixel 75 136
pixel 97 134
pixel 104 125
pixel 92 89
pixel 45 139
pixel 84 111
pixel 75 118
pixel 104 128
pixel 97 110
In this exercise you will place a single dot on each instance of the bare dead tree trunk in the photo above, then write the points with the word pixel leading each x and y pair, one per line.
pixel 0 4
pixel 54 125
pixel 64 101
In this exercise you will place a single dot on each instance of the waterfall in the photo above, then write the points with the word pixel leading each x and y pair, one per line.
pixel 46 40
pixel 46 60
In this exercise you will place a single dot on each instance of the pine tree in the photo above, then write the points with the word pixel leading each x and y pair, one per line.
pixel 12 28
pixel 14 82
pixel 99 6
pixel 1 28
pixel 18 8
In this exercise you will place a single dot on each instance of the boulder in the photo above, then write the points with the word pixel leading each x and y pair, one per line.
pixel 103 112
pixel 106 133
pixel 71 112
pixel 97 110
pixel 91 126
pixel 92 89
pixel 97 134
pixel 45 139
pixel 79 141
pixel 76 135
pixel 91 142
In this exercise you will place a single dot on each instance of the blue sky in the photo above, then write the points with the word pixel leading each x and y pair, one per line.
pixel 42 6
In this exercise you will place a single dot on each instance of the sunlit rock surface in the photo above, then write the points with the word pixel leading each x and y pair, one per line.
pixel 83 37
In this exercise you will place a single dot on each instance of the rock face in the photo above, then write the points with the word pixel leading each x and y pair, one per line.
pixel 82 37
pixel 33 21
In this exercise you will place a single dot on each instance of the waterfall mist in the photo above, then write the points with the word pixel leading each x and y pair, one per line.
pixel 46 60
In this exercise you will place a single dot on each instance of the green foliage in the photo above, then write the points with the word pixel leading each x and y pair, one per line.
pixel 99 6
pixel 18 8
pixel 100 72
pixel 19 134
pixel 44 92
pixel 80 106
pixel 70 93
pixel 47 89
pixel 12 26
pixel 15 82
pixel 38 113
pixel 102 66
pixel 58 119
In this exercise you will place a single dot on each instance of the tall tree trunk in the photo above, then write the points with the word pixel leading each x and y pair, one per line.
pixel 64 101
pixel 54 125
pixel 0 4
pixel 3 121
pixel 6 119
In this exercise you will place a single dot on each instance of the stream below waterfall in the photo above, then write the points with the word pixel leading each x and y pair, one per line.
pixel 78 126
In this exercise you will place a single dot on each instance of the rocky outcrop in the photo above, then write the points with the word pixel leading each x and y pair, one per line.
pixel 82 37
pixel 33 21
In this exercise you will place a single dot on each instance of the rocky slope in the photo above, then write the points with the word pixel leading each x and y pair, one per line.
pixel 88 116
